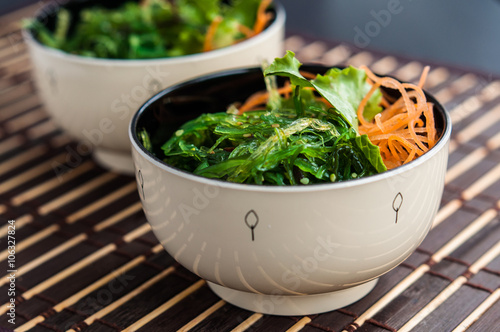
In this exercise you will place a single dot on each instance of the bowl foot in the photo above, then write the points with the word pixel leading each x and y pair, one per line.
pixel 292 305
pixel 115 161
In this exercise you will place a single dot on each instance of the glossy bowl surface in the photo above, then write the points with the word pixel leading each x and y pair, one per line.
pixel 282 250
pixel 93 99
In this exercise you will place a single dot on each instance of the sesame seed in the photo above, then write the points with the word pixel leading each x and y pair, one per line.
pixel 247 135
pixel 275 125
pixel 179 132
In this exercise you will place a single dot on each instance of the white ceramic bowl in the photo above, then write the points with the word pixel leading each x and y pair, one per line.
pixel 283 250
pixel 93 99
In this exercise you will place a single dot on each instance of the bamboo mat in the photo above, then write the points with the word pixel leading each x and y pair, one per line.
pixel 86 259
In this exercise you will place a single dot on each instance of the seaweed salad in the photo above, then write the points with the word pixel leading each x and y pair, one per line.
pixel 153 28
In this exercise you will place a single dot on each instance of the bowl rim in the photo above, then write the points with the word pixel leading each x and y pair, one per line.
pixel 442 143
pixel 277 24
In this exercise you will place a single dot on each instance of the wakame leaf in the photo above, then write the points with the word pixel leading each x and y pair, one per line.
pixel 371 152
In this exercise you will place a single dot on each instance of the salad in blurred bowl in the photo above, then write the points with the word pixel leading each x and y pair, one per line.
pixel 96 62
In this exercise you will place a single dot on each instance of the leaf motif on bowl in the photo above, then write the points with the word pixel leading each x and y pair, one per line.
pixel 251 220
pixel 396 204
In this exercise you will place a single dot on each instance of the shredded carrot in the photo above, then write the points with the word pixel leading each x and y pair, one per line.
pixel 253 101
pixel 423 77
pixel 411 156
pixel 384 102
pixel 263 17
pixel 430 125
pixel 405 129
pixel 209 37
pixel 379 123
pixel 260 98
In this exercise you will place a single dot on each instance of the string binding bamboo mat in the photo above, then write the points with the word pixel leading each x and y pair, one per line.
pixel 86 259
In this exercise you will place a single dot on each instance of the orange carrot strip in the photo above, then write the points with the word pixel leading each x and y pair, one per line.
pixel 430 125
pixel 254 100
pixel 246 31
pixel 411 156
pixel 287 89
pixel 364 101
pixel 209 36
pixel 394 84
pixel 261 97
pixel 421 106
pixel 396 107
pixel 379 123
pixel 262 17
pixel 384 102
pixel 392 148
pixel 404 134
pixel 398 121
pixel 308 75
pixel 391 83
pixel 423 77
pixel 369 73
pixel 383 147
pixel 407 145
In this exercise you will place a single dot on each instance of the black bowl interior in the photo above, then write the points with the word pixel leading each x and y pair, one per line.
pixel 169 109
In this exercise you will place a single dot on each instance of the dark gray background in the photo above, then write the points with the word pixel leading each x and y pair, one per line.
pixel 461 33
